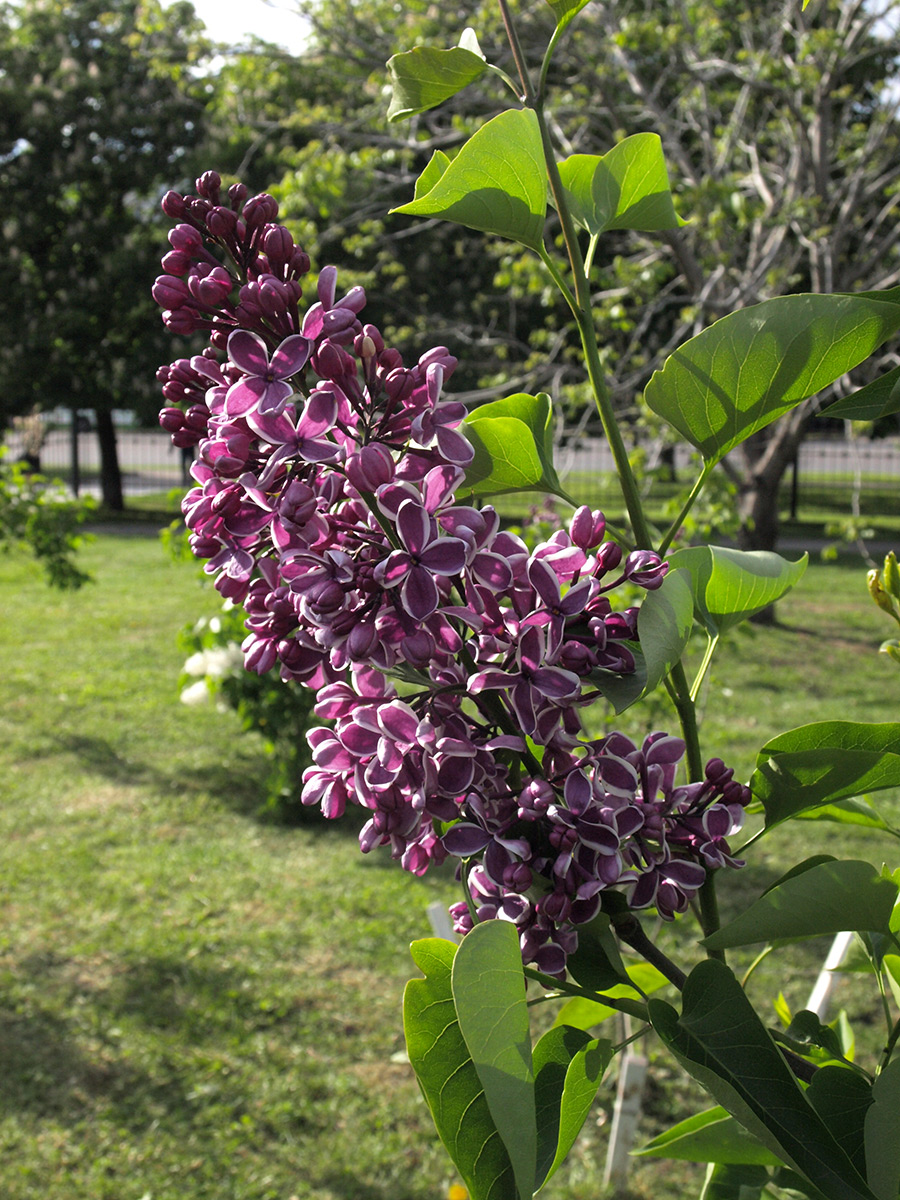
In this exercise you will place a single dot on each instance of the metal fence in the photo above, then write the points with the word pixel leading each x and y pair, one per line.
pixel 827 472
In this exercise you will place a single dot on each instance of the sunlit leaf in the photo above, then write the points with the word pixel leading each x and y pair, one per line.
pixel 488 987
pixel 568 1068
pixel 756 364
pixel 513 441
pixel 826 899
pixel 448 1078
pixel 425 77
pixel 711 1136
pixel 496 184
pixel 823 763
pixel 565 10
pixel 628 188
pixel 731 585
pixel 722 1043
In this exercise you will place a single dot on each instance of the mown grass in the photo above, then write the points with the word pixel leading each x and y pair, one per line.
pixel 199 1004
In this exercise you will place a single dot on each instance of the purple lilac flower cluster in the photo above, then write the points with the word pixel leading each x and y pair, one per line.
pixel 451 660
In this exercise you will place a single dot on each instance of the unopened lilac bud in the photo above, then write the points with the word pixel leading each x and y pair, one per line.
pixel 370 468
pixel 185 238
pixel 277 245
pixel 237 194
pixel 172 205
pixel 170 292
pixel 260 210
pixel 208 185
pixel 221 222
pixel 355 300
pixel 176 262
pixel 587 527
pixel 182 321
pixel 273 299
pixel 215 288
pixel 331 362
pixel 608 557
pixel 299 262
pixel 398 385
pixel 171 419
pixel 325 286
pixel 337 320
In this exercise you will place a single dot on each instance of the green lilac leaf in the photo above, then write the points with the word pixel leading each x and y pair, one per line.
pixel 568 1068
pixel 596 962
pixel 565 10
pixel 877 399
pixel 488 986
pixel 425 77
pixel 448 1078
pixel 734 1181
pixel 731 585
pixel 826 899
pixel 824 763
pixel 665 621
pixel 722 1043
pixel 847 812
pixel 756 364
pixel 842 1098
pixel 496 184
pixel 882 1134
pixel 712 1136
pixel 628 188
pixel 437 165
pixel 513 442
pixel 585 1014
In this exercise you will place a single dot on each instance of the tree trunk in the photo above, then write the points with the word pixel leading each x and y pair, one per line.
pixel 110 473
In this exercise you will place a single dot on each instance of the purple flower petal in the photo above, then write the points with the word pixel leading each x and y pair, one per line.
pixel 248 352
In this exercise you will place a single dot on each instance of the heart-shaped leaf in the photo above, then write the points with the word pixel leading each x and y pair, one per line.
pixel 711 1136
pixel 823 763
pixel 448 1078
pixel 756 364
pixel 731 585
pixel 722 1043
pixel 425 77
pixel 488 988
pixel 496 184
pixel 628 188
pixel 513 441
pixel 877 399
pixel 828 898
pixel 568 1067
pixel 842 1098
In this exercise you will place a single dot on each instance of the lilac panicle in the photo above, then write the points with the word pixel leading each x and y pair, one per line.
pixel 451 659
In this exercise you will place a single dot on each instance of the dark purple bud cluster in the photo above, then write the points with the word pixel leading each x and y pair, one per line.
pixel 452 660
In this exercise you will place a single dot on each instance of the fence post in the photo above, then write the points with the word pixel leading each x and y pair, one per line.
pixel 73 442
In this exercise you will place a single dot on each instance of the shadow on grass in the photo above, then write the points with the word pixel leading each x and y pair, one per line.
pixel 72 1047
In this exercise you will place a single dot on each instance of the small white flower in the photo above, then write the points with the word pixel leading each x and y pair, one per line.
pixel 195 693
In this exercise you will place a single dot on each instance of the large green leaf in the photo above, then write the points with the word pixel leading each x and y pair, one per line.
pixel 665 621
pixel 882 1132
pixel 496 184
pixel 752 366
pixel 711 1136
pixel 823 763
pixel 842 1098
pixel 722 1043
pixel 585 1014
pixel 425 77
pixel 565 10
pixel 628 188
pixel 877 399
pixel 568 1067
pixel 731 585
pixel 488 988
pixel 513 441
pixel 448 1078
pixel 828 898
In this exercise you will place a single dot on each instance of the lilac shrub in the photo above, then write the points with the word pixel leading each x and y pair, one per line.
pixel 453 662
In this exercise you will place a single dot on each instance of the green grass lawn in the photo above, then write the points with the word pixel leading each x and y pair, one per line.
pixel 201 1005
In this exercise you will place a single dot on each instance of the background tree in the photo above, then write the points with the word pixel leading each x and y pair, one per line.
pixel 100 103
pixel 780 130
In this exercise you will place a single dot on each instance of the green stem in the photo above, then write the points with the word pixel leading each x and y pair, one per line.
pixel 711 643
pixel 634 1008
pixel 709 911
pixel 686 508
pixel 889 1046
pixel 687 715
pixel 629 930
